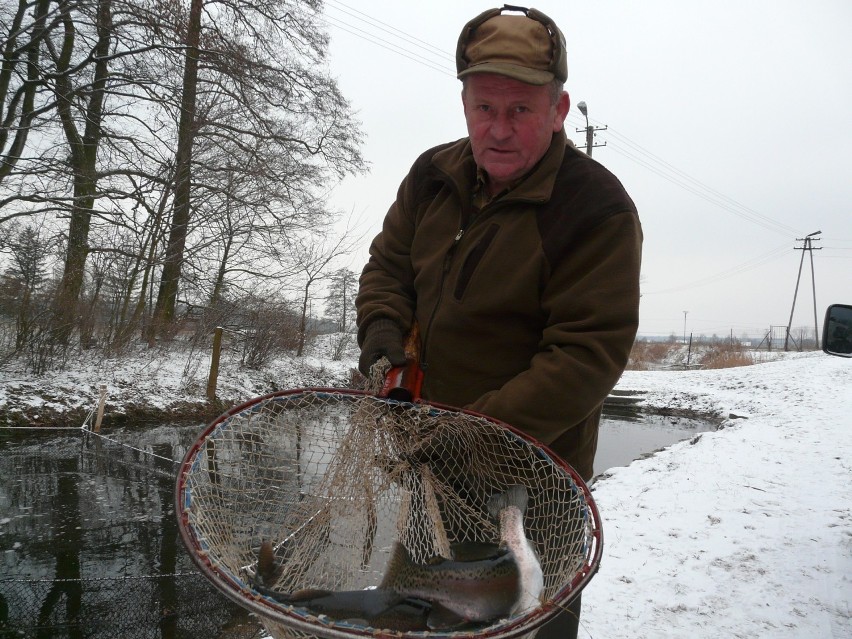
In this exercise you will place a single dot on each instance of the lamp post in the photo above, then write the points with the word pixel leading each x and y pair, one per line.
pixel 589 129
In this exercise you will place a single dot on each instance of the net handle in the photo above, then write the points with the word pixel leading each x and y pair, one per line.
pixel 403 383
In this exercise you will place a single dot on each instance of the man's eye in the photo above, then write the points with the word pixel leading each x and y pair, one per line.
pixel 521 109
pixel 484 108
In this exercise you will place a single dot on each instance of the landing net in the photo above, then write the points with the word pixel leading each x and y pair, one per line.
pixel 332 478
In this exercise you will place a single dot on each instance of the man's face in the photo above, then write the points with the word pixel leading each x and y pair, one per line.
pixel 510 125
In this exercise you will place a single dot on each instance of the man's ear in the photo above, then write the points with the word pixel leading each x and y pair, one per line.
pixel 562 107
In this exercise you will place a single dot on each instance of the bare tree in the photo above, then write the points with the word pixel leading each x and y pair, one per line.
pixel 244 226
pixel 107 87
pixel 340 302
pixel 20 80
pixel 312 257
pixel 167 295
pixel 266 99
pixel 81 122
pixel 84 103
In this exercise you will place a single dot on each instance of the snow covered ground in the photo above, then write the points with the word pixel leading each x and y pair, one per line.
pixel 742 532
pixel 746 532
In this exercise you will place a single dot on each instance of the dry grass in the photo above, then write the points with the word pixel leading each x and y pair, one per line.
pixel 655 355
pixel 647 355
pixel 727 357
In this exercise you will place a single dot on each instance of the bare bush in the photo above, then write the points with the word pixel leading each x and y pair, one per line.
pixel 726 356
pixel 645 354
pixel 271 329
pixel 341 344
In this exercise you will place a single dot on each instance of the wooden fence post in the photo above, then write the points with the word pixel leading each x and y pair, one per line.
pixel 101 403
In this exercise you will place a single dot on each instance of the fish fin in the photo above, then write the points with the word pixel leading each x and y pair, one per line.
pixel 442 618
pixel 515 495
pixel 399 559
pixel 476 550
pixel 437 560
pixel 268 567
pixel 300 596
pixel 307 594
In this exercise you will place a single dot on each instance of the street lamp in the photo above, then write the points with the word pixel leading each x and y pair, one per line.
pixel 589 129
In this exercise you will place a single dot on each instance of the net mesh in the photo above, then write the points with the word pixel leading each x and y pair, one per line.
pixel 334 478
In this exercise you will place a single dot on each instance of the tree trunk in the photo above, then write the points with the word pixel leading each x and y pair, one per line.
pixel 83 154
pixel 303 322
pixel 25 95
pixel 164 310
pixel 219 283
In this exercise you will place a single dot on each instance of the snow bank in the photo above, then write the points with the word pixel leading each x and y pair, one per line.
pixel 743 532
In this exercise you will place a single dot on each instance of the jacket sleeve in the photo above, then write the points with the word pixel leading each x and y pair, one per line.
pixel 591 301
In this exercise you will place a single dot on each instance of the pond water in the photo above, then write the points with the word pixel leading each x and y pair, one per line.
pixel 89 546
pixel 623 438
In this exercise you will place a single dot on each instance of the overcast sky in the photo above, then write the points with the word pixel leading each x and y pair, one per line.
pixel 728 123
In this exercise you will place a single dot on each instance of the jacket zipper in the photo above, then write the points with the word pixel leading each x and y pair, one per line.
pixel 466 220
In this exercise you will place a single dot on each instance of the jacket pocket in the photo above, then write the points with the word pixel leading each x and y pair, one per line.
pixel 472 260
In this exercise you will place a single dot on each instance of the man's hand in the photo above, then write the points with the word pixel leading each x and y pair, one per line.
pixel 383 337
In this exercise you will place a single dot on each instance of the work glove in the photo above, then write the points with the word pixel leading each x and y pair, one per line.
pixel 383 337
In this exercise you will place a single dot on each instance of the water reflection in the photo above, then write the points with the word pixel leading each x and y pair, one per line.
pixel 89 545
pixel 626 437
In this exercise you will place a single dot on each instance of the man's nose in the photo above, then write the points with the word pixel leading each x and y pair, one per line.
pixel 501 126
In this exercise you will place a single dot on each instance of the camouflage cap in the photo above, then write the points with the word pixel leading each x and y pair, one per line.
pixel 528 47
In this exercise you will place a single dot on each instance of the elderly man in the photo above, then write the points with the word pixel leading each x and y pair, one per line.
pixel 516 254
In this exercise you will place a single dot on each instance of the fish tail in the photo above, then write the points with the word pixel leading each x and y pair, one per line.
pixel 399 561
pixel 515 495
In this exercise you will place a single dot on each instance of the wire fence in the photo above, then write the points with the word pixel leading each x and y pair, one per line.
pixel 155 606
pixel 80 519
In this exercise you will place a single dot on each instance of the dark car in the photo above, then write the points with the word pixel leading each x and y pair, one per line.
pixel 837 330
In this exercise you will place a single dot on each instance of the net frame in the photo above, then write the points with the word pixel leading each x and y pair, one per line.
pixel 195 492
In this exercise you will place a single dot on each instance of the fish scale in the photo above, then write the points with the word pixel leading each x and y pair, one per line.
pixel 459 591
pixel 476 591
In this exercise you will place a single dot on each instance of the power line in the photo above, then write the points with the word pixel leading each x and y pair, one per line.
pixel 693 185
pixel 388 28
pixel 735 270
pixel 705 193
pixel 418 50
pixel 413 48
pixel 385 44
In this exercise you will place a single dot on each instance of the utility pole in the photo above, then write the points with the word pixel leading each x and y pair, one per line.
pixel 807 245
pixel 590 130
pixel 684 326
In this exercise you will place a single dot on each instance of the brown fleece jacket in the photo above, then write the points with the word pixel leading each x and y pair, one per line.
pixel 528 307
